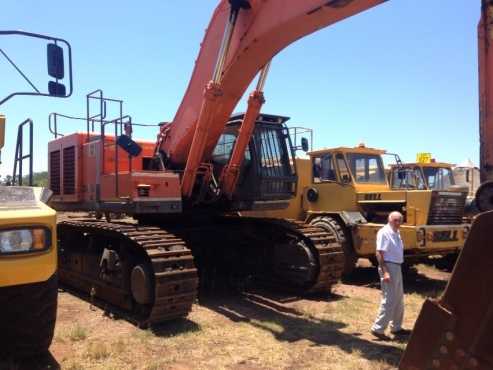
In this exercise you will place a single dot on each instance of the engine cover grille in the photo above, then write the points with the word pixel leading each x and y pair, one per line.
pixel 55 172
pixel 447 208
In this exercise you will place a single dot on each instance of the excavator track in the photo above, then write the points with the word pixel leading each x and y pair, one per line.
pixel 307 259
pixel 279 254
pixel 167 263
pixel 327 252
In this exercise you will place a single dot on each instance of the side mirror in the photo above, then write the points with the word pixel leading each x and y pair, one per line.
pixel 54 57
pixel 56 89
pixel 305 145
pixel 56 69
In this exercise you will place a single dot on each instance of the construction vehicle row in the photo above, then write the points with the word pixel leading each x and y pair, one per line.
pixel 345 190
pixel 186 191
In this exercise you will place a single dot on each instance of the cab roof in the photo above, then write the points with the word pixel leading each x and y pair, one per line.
pixel 431 164
pixel 360 149
pixel 262 118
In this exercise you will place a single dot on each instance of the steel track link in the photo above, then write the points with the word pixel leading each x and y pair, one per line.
pixel 330 255
pixel 326 249
pixel 174 274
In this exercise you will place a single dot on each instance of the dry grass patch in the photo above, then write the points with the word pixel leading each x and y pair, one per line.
pixel 250 332
pixel 77 333
pixel 97 351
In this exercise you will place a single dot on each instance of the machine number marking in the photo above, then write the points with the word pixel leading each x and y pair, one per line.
pixel 373 196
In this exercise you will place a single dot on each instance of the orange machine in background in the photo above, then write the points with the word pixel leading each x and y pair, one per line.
pixel 82 176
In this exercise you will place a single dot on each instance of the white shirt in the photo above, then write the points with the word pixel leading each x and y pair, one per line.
pixel 390 242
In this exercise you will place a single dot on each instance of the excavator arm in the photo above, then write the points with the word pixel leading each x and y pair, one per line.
pixel 242 38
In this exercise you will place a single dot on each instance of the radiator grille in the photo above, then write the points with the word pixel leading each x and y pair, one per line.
pixel 69 170
pixel 55 172
pixel 447 208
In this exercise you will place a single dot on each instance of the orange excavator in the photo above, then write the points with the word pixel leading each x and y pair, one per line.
pixel 183 191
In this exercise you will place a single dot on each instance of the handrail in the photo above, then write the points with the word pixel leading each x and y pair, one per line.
pixel 19 153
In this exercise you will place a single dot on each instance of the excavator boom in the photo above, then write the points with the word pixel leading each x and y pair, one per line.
pixel 231 55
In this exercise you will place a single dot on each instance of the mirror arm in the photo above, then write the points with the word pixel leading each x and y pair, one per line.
pixel 44 37
pixel 19 70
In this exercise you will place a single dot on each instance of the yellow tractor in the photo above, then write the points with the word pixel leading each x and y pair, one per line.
pixel 28 253
pixel 346 190
pixel 424 174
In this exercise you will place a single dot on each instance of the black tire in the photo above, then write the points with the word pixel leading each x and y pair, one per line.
pixel 484 197
pixel 447 262
pixel 331 224
pixel 28 318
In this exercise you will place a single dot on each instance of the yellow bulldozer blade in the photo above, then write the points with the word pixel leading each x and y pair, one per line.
pixel 456 331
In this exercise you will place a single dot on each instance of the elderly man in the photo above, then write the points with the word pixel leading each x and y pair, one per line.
pixel 390 256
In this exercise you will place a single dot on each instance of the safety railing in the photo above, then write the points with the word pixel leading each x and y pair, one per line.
pixel 98 127
pixel 17 175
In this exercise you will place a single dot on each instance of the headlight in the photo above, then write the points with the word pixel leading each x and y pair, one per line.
pixel 24 240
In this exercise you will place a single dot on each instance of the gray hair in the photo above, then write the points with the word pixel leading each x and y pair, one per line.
pixel 395 213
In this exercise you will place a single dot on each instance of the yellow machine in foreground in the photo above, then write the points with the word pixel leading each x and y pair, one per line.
pixel 28 253
pixel 346 190
pixel 28 261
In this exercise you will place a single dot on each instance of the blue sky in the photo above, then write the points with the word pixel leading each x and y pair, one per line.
pixel 401 76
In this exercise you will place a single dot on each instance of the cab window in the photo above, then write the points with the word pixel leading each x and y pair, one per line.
pixel 438 178
pixel 367 168
pixel 222 151
pixel 407 178
pixel 343 169
pixel 324 169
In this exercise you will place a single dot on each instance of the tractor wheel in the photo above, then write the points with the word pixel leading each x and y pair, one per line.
pixel 447 262
pixel 330 223
pixel 28 318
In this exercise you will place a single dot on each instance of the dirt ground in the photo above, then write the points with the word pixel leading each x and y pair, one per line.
pixel 253 331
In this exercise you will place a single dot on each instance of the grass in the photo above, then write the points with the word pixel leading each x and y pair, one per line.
pixel 97 351
pixel 247 333
pixel 77 333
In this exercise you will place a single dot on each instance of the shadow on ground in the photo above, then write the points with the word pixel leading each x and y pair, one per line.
pixel 42 362
pixel 289 325
pixel 414 281
pixel 175 327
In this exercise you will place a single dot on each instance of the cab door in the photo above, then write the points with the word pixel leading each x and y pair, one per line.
pixel 331 188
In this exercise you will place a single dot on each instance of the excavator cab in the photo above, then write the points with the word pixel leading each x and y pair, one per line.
pixel 268 175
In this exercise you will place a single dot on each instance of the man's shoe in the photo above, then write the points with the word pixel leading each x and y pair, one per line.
pixel 402 333
pixel 380 336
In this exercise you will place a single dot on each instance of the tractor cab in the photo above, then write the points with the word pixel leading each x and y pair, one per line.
pixel 361 167
pixel 422 176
